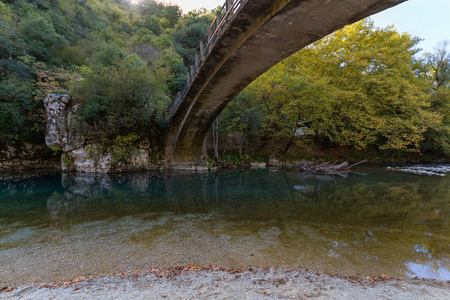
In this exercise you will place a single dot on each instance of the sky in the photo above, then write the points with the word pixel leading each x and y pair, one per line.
pixel 427 19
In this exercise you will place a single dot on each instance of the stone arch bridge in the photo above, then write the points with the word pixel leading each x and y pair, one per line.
pixel 246 39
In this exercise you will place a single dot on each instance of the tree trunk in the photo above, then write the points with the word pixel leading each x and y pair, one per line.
pixel 215 132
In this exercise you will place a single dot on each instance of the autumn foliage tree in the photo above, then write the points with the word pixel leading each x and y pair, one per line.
pixel 437 67
pixel 357 87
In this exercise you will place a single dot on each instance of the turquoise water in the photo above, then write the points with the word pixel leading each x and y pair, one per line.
pixel 55 226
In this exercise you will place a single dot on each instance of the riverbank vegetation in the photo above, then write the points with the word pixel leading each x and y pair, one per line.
pixel 363 88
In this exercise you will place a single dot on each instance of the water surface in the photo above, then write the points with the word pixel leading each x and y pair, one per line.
pixel 55 226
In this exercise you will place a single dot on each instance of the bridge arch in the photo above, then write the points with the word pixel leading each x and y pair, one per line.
pixel 246 39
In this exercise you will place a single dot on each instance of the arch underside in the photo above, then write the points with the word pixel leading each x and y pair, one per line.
pixel 262 34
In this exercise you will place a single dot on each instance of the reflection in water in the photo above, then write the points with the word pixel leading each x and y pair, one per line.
pixel 435 270
pixel 373 223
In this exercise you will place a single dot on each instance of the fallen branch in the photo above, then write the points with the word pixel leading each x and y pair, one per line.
pixel 357 163
pixel 326 168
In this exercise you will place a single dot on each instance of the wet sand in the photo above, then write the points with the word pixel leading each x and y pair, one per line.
pixel 197 283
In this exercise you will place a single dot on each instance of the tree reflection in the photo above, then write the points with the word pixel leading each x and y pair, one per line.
pixel 381 221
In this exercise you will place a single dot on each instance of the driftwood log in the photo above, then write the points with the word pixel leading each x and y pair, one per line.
pixel 326 168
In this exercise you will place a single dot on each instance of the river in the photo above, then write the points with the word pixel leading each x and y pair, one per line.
pixel 55 226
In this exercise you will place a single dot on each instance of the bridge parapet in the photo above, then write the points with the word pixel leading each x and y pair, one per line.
pixel 223 17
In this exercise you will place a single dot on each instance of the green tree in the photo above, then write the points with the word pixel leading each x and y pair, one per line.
pixel 151 48
pixel 243 120
pixel 188 34
pixel 122 98
pixel 16 109
pixel 41 37
pixel 109 54
pixel 11 43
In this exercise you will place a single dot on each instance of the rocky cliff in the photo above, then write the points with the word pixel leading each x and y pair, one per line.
pixel 81 154
pixel 61 116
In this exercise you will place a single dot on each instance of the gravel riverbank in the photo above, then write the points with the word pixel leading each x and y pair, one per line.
pixel 211 283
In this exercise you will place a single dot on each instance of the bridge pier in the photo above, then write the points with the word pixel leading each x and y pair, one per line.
pixel 186 149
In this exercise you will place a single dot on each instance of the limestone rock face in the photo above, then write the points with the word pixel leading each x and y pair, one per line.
pixel 87 159
pixel 77 153
pixel 60 111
